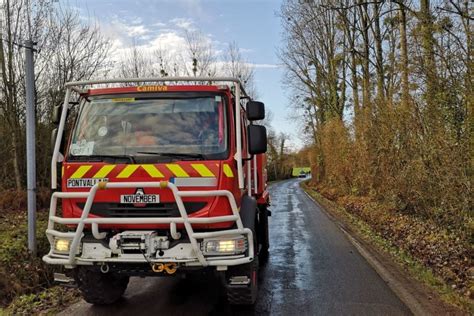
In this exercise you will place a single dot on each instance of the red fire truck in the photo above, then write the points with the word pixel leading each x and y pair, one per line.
pixel 158 177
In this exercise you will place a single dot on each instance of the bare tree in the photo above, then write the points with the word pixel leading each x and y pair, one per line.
pixel 236 66
pixel 67 49
pixel 17 24
pixel 429 59
pixel 200 58
pixel 136 63
pixel 402 20
pixel 412 63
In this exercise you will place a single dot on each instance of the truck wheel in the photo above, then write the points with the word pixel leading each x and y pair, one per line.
pixel 263 237
pixel 100 288
pixel 245 294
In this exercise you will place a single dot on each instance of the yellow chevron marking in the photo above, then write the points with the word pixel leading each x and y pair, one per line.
pixel 153 171
pixel 177 170
pixel 127 171
pixel 80 172
pixel 104 171
pixel 203 170
pixel 228 171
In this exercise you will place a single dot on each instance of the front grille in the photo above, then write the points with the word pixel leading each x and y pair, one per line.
pixel 151 210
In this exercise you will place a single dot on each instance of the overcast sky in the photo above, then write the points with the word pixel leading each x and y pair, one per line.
pixel 253 24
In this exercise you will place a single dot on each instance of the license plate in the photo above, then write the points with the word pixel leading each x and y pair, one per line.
pixel 139 198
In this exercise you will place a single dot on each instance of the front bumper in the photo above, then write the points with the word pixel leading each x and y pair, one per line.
pixel 187 253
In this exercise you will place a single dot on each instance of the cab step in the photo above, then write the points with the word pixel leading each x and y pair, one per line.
pixel 64 280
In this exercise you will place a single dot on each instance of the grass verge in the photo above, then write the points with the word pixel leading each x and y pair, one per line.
pixel 26 282
pixel 49 301
pixel 414 266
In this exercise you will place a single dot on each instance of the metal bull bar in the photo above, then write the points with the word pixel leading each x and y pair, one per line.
pixel 70 259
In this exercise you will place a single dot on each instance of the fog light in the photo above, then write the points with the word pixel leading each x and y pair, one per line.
pixel 62 245
pixel 228 246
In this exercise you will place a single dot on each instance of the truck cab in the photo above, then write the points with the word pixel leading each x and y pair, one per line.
pixel 159 179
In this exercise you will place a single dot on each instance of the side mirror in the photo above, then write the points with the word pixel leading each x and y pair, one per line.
pixel 57 111
pixel 257 139
pixel 54 135
pixel 255 111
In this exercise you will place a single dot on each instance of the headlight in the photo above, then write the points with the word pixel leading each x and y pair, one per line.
pixel 62 245
pixel 228 246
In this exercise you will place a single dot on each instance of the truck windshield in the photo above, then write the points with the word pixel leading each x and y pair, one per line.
pixel 184 128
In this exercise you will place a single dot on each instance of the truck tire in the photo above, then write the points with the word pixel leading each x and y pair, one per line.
pixel 263 236
pixel 100 288
pixel 245 294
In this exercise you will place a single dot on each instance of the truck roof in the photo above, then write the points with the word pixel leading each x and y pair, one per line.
pixel 157 88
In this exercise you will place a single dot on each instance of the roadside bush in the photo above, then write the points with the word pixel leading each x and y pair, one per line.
pixel 13 200
pixel 47 302
pixel 19 272
pixel 420 170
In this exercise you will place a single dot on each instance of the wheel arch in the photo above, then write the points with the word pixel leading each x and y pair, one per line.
pixel 248 211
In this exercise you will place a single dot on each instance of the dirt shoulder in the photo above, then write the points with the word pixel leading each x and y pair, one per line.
pixel 409 276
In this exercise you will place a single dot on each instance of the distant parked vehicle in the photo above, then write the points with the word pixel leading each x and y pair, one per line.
pixel 301 172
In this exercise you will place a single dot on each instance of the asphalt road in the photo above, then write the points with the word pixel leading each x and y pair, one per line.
pixel 313 270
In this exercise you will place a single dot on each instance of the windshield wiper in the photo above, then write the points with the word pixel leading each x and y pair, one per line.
pixel 102 157
pixel 173 155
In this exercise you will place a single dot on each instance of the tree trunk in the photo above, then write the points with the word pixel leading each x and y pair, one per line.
pixel 379 54
pixel 427 43
pixel 404 54
pixel 342 99
pixel 354 75
pixel 9 92
pixel 469 78
pixel 365 54
pixel 16 169
pixel 280 158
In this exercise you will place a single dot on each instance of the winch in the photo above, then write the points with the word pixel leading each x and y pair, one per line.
pixel 133 242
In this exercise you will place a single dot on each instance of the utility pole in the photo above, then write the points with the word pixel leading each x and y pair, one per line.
pixel 30 143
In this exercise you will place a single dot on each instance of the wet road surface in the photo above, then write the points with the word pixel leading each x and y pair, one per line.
pixel 313 270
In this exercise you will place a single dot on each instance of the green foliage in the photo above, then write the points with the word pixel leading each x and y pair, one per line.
pixel 47 302
pixel 297 170
pixel 19 272
pixel 25 281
